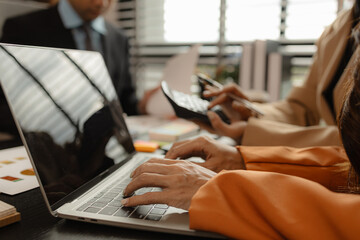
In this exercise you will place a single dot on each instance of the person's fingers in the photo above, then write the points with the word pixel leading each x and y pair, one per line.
pixel 176 144
pixel 146 180
pixel 211 91
pixel 145 199
pixel 162 161
pixel 209 165
pixel 204 126
pixel 229 88
pixel 193 148
pixel 154 165
pixel 243 110
pixel 235 89
pixel 233 130
pixel 157 166
pixel 204 165
pixel 219 100
pixel 215 121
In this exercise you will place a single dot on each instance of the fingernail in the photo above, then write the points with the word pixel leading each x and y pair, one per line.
pixel 132 174
pixel 124 201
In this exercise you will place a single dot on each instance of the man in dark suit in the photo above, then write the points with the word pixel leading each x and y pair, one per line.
pixel 75 24
pixel 62 26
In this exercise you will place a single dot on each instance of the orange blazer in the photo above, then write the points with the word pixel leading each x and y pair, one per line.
pixel 296 121
pixel 328 166
pixel 274 205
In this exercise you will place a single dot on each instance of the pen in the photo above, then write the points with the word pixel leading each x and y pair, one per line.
pixel 247 104
pixel 208 81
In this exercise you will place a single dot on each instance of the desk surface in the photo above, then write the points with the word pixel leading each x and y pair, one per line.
pixel 37 223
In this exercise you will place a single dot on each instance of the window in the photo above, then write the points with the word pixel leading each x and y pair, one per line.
pixel 306 19
pixel 180 21
pixel 255 19
pixel 164 28
pixel 172 21
pixel 198 23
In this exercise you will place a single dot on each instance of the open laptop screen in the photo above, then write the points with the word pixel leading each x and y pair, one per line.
pixel 66 106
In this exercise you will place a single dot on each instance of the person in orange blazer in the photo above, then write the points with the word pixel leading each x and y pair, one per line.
pixel 265 192
pixel 263 202
pixel 255 203
pixel 298 120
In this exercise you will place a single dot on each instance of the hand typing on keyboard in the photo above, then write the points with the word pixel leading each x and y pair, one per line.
pixel 179 180
pixel 108 202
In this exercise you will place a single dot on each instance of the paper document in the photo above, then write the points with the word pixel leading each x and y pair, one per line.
pixel 176 130
pixel 177 74
pixel 141 124
pixel 16 172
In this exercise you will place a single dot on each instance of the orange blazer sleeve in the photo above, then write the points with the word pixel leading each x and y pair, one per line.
pixel 262 205
pixel 326 165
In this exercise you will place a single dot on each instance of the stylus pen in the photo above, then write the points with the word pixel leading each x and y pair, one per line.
pixel 243 101
pixel 247 104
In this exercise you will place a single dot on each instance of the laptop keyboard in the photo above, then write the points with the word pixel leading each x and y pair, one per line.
pixel 108 202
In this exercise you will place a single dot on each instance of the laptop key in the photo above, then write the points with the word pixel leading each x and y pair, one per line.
pixel 158 211
pixel 142 191
pixel 115 203
pixel 124 212
pixel 98 204
pixel 104 200
pixel 108 210
pixel 156 189
pixel 93 200
pixel 135 214
pixel 163 206
pixel 119 198
pixel 144 209
pixel 116 190
pixel 110 195
pixel 92 209
pixel 141 211
pixel 100 194
pixel 82 207
pixel 153 217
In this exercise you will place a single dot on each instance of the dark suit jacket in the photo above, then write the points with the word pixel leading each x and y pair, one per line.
pixel 45 28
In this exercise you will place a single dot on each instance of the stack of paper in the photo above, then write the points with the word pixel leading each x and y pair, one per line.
pixel 8 214
pixel 176 130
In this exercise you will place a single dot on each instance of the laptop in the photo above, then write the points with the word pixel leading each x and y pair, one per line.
pixel 72 126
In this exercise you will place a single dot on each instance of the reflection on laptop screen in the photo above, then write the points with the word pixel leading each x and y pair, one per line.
pixel 67 108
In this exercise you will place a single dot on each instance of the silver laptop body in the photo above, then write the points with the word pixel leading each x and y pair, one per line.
pixel 71 123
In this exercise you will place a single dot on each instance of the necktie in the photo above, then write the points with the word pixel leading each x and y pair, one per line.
pixel 88 44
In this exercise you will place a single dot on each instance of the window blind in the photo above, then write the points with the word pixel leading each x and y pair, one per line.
pixel 163 28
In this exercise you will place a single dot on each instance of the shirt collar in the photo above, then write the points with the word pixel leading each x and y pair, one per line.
pixel 71 19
